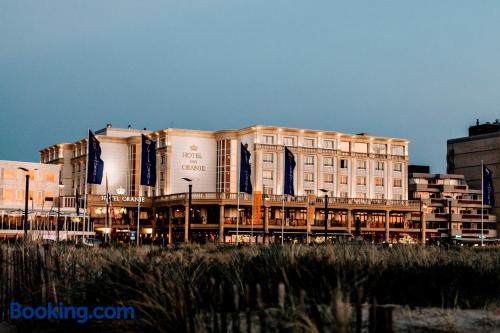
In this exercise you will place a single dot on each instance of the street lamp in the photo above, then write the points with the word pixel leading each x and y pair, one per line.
pixel 449 215
pixel 26 198
pixel 190 197
pixel 326 211
pixel 423 226
pixel 61 186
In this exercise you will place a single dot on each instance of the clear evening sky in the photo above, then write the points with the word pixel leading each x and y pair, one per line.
pixel 421 70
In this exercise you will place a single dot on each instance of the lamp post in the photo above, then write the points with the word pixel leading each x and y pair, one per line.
pixel 26 198
pixel 61 186
pixel 423 226
pixel 326 211
pixel 449 215
pixel 190 197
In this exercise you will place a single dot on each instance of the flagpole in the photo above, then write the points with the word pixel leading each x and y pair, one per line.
pixel 86 186
pixel 107 212
pixel 482 201
pixel 251 228
pixel 283 198
pixel 238 151
pixel 139 201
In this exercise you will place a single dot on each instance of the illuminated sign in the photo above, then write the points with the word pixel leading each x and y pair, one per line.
pixel 116 198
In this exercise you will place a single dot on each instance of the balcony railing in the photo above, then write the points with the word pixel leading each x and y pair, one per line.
pixel 277 198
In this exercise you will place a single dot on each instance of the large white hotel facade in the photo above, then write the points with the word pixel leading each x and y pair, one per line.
pixel 364 176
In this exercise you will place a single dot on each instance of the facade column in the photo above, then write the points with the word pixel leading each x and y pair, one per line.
pixel 349 220
pixel 186 224
pixel 387 216
pixel 423 227
pixel 169 221
pixel 221 224
pixel 266 225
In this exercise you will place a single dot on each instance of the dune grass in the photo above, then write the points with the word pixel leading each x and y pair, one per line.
pixel 294 288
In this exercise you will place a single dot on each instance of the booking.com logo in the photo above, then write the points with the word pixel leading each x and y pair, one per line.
pixel 81 314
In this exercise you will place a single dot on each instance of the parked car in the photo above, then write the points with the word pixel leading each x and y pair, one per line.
pixel 91 241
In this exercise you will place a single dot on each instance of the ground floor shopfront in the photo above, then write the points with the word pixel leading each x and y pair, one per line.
pixel 215 217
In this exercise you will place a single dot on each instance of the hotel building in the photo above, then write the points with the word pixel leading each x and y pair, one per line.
pixel 448 201
pixel 365 178
pixel 45 202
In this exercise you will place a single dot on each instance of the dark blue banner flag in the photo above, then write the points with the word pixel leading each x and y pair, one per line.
pixel 95 166
pixel 289 167
pixel 245 170
pixel 488 192
pixel 148 162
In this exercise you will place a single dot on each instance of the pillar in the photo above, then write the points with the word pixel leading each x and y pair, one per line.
pixel 186 224
pixel 266 225
pixel 349 221
pixel 169 221
pixel 221 224
pixel 387 216
pixel 424 227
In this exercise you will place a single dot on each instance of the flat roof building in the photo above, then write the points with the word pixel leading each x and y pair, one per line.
pixel 369 172
pixel 464 156
pixel 447 201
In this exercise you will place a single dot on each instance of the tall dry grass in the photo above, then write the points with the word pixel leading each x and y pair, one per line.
pixel 294 288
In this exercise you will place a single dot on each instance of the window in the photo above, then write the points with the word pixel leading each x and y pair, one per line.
pixel 9 174
pixel 328 178
pixel 379 196
pixel 397 197
pixel 328 144
pixel 397 182
pixel 398 150
pixel 268 190
pixel 343 180
pixel 379 181
pixel 380 166
pixel 361 180
pixel 379 148
pixel 8 194
pixel 309 160
pixel 268 157
pixel 360 147
pixel 344 194
pixel 267 174
pixel 344 146
pixel 328 161
pixel 361 164
pixel 162 159
pixel 289 141
pixel 309 142
pixel 343 164
pixel 49 177
pixel 268 139
pixel 162 141
pixel 361 195
pixel 162 176
pixel 398 167
pixel 308 176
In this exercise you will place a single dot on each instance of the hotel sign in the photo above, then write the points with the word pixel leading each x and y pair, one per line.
pixel 116 198
pixel 193 160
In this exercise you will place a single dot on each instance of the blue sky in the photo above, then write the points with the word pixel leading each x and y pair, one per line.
pixel 421 70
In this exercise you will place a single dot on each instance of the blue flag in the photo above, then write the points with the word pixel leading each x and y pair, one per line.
pixel 245 170
pixel 488 192
pixel 289 167
pixel 95 165
pixel 148 162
